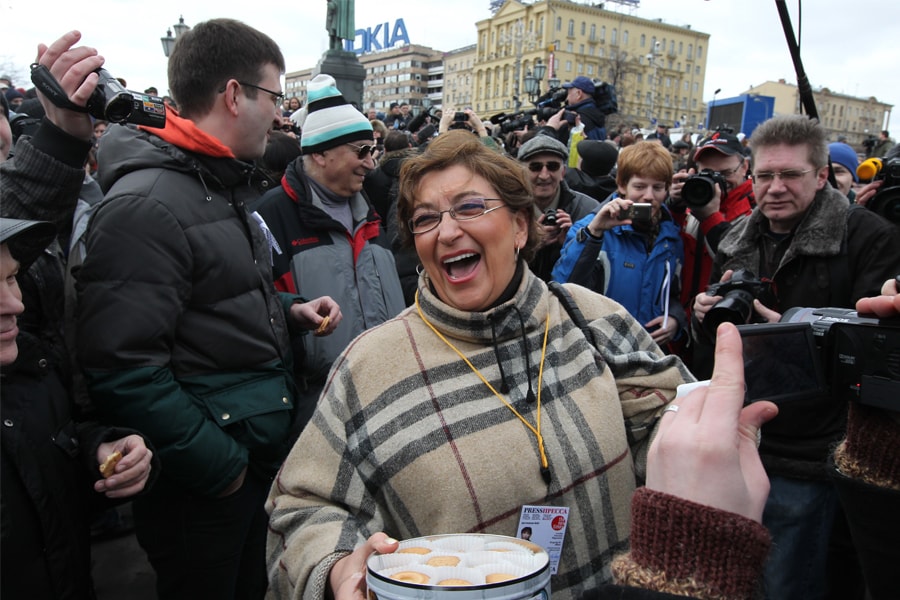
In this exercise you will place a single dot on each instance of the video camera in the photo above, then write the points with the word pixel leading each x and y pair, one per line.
pixel 886 202
pixel 821 352
pixel 109 102
pixel 514 122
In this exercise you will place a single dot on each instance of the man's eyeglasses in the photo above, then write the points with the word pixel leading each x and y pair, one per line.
pixel 277 97
pixel 730 172
pixel 363 151
pixel 552 166
pixel 786 176
pixel 424 220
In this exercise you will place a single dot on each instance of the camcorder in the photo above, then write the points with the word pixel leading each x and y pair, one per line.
pixel 736 305
pixel 514 122
pixel 110 100
pixel 700 188
pixel 826 353
pixel 886 202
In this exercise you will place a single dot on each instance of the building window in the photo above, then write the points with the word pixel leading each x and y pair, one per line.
pixel 640 78
pixel 571 28
pixel 614 38
pixel 603 34
pixel 590 69
pixel 643 40
pixel 569 47
pixel 680 48
pixel 568 66
pixel 580 48
pixel 699 52
pixel 593 32
pixel 559 23
pixel 583 27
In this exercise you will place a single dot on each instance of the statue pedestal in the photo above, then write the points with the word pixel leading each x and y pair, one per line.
pixel 347 71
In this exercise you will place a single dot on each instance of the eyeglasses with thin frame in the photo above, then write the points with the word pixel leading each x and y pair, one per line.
pixel 424 220
pixel 277 97
pixel 730 172
pixel 363 151
pixel 552 166
pixel 786 176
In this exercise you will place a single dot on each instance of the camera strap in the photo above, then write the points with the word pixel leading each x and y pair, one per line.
pixel 44 80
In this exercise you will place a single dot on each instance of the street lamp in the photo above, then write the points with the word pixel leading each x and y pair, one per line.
pixel 168 42
pixel 533 80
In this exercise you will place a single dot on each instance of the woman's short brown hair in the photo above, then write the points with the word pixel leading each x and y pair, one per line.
pixel 458 147
pixel 644 159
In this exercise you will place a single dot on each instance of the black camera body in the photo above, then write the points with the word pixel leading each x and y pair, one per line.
pixel 700 188
pixel 853 358
pixel 460 117
pixel 736 304
pixel 550 217
pixel 886 202
pixel 109 102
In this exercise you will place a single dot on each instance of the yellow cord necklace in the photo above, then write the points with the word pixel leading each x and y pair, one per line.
pixel 545 464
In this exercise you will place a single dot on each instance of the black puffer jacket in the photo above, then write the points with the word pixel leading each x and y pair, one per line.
pixel 180 331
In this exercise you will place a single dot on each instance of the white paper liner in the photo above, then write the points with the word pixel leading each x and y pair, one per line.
pixel 438 556
pixel 531 562
pixel 424 569
pixel 460 543
pixel 415 543
pixel 506 547
pixel 380 562
pixel 473 576
pixel 503 567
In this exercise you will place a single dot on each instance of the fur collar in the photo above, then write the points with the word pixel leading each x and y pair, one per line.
pixel 820 233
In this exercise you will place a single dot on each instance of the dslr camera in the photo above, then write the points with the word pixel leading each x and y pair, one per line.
pixel 736 304
pixel 110 100
pixel 700 188
pixel 885 202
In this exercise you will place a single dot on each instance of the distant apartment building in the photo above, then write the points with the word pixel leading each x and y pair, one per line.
pixel 840 114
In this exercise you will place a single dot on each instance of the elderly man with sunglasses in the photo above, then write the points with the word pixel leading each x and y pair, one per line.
pixel 325 236
pixel 556 205
pixel 819 251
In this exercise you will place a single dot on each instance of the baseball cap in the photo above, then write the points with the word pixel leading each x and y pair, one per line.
pixel 542 143
pixel 582 83
pixel 26 239
pixel 726 143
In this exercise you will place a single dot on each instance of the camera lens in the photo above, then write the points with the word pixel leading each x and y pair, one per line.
pixel 736 307
pixel 698 191
pixel 886 203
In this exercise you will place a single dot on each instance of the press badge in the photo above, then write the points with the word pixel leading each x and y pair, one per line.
pixel 546 527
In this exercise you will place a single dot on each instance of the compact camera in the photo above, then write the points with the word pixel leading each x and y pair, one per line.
pixel 550 217
pixel 109 102
pixel 639 211
pixel 700 188
pixel 736 304
pixel 460 117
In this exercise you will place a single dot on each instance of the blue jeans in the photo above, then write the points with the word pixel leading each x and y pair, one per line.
pixel 799 516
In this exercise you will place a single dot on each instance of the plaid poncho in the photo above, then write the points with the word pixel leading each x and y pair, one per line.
pixel 408 440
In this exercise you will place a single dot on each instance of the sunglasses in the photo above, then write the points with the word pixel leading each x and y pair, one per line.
pixel 363 151
pixel 537 166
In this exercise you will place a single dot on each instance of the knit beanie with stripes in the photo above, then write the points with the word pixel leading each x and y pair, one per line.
pixel 330 120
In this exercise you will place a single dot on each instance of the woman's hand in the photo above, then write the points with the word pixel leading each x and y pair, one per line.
pixel 706 451
pixel 662 329
pixel 348 575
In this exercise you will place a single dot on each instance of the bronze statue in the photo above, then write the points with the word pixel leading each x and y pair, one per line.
pixel 339 22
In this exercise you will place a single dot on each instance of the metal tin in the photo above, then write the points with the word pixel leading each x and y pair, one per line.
pixel 531 583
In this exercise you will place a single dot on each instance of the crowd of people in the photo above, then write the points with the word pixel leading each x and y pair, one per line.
pixel 302 333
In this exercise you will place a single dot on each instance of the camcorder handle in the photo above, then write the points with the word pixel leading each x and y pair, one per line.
pixel 44 80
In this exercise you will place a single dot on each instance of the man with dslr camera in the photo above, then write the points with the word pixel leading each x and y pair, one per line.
pixel 819 252
pixel 718 195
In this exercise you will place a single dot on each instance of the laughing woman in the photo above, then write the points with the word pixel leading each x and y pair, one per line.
pixel 484 396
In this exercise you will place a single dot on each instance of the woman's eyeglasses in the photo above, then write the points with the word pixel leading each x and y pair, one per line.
pixel 536 166
pixel 424 220
pixel 364 150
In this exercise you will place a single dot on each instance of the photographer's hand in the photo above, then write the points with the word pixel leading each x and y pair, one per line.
pixel 556 120
pixel 703 302
pixel 868 191
pixel 884 306
pixel 678 180
pixel 765 312
pixel 74 69
pixel 446 119
pixel 609 216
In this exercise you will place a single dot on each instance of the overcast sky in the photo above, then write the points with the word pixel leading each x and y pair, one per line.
pixel 849 47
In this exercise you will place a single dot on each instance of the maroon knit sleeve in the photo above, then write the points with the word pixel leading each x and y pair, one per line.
pixel 685 548
pixel 871 450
